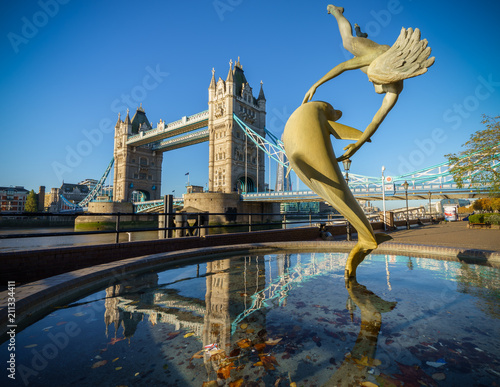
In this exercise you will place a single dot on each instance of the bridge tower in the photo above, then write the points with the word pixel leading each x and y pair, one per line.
pixel 137 168
pixel 235 162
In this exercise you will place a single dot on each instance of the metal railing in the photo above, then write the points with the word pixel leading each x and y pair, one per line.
pixel 285 220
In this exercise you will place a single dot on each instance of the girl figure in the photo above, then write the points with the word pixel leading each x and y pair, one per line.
pixel 385 66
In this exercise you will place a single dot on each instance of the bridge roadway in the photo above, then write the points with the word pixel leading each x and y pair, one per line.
pixel 163 131
pixel 416 192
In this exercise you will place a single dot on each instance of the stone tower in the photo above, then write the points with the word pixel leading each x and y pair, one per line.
pixel 136 169
pixel 235 163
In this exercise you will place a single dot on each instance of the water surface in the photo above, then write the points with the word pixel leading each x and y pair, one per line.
pixel 272 320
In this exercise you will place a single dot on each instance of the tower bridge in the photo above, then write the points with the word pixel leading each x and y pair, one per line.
pixel 233 160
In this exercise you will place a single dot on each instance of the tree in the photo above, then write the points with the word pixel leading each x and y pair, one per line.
pixel 477 163
pixel 31 202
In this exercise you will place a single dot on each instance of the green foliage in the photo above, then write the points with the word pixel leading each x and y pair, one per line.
pixel 492 219
pixel 31 202
pixel 485 218
pixel 474 164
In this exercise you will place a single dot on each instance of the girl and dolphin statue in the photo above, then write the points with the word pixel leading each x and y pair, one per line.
pixel 307 133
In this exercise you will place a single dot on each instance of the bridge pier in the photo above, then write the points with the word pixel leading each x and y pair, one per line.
pixel 230 204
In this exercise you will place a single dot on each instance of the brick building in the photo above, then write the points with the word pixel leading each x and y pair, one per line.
pixel 13 199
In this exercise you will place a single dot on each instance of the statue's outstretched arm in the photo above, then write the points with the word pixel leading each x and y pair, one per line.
pixel 351 64
pixel 388 103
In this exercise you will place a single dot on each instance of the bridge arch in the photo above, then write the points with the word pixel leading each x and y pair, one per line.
pixel 246 184
pixel 139 195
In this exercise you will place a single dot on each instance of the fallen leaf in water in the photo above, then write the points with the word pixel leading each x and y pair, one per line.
pixel 136 374
pixel 189 334
pixel 412 374
pixel 235 352
pixel 387 381
pixel 198 355
pixel 364 361
pixel 30 346
pixel 260 347
pixel 236 383
pixel 115 340
pixel 368 384
pixel 118 368
pixel 225 372
pixel 61 323
pixel 165 366
pixel 115 359
pixel 273 341
pixel 439 376
pixel 172 335
pixel 79 314
pixel 258 364
pixel 268 361
pixel 212 383
pixel 46 329
pixel 217 354
pixel 244 343
pixel 99 364
pixel 293 384
pixel 244 326
pixel 250 331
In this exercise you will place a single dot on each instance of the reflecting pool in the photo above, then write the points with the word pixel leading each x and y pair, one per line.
pixel 275 320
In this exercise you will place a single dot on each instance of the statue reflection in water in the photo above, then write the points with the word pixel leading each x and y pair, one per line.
pixel 354 370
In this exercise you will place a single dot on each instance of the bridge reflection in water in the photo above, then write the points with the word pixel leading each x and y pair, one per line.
pixel 258 313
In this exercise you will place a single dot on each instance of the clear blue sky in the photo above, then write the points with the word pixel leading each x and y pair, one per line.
pixel 68 68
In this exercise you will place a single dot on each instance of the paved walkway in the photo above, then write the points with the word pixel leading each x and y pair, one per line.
pixel 452 234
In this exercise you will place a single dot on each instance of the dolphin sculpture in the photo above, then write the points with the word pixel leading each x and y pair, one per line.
pixel 308 148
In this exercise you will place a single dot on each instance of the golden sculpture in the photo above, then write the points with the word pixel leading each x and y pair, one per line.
pixel 307 132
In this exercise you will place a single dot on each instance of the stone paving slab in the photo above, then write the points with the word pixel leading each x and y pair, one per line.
pixel 451 234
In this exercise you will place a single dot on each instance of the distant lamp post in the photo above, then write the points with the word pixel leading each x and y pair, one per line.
pixel 430 205
pixel 405 186
pixel 347 166
pixel 383 196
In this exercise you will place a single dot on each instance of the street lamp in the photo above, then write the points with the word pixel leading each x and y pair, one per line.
pixel 405 186
pixel 347 166
pixel 383 196
pixel 430 205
